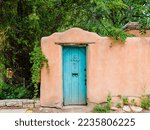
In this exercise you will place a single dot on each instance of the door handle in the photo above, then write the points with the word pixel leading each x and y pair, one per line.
pixel 74 74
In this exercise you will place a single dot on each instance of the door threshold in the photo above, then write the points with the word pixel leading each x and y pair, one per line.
pixel 74 106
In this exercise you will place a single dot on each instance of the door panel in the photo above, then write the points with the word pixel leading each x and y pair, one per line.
pixel 74 75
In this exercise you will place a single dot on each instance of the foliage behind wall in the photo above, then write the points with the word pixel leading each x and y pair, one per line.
pixel 24 22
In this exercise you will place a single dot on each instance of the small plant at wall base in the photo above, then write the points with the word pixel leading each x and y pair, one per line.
pixel 145 101
pixel 118 105
pixel 125 100
pixel 38 60
pixel 104 108
pixel 109 101
pixel 101 109
pixel 133 103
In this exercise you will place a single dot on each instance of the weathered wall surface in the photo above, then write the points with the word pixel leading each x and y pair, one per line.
pixel 116 68
pixel 121 69
pixel 138 34
pixel 51 77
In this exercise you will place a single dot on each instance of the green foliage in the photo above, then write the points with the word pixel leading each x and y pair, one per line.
pixel 133 102
pixel 104 108
pixel 109 101
pixel 37 59
pixel 2 59
pixel 119 105
pixel 125 100
pixel 145 101
pixel 109 16
pixel 101 109
pixel 117 33
pixel 24 22
pixel 9 91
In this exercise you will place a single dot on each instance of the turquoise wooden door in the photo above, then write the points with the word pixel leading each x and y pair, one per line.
pixel 74 75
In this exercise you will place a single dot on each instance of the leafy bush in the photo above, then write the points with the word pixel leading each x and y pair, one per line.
pixel 101 108
pixel 9 91
pixel 104 108
pixel 145 101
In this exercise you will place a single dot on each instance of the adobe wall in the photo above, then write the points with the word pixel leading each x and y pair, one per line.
pixel 115 68
pixel 138 34
pixel 118 69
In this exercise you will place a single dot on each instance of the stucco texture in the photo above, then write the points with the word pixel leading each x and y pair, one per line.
pixel 112 67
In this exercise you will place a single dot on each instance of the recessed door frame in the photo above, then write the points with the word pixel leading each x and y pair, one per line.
pixel 85 46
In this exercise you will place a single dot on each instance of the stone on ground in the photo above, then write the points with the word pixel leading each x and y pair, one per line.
pixel 126 108
pixel 2 103
pixel 114 108
pixel 136 109
pixel 13 110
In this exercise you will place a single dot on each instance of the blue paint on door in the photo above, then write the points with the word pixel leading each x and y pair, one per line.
pixel 74 75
